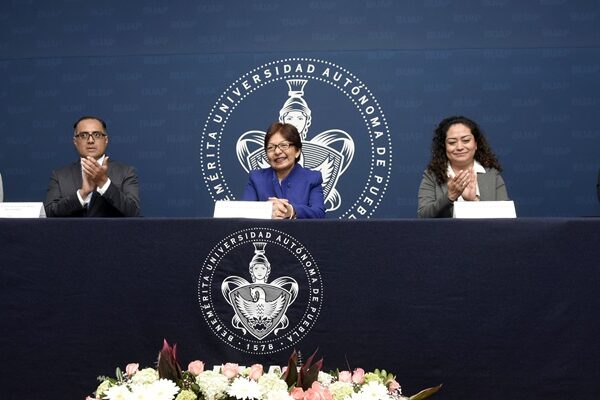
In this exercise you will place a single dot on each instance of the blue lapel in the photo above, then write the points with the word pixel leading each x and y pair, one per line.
pixel 276 186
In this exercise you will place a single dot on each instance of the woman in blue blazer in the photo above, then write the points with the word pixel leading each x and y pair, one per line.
pixel 294 191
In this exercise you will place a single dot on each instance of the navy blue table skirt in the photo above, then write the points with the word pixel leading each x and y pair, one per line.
pixel 493 309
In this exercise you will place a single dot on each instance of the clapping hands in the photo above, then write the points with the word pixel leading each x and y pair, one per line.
pixel 94 174
pixel 463 184
pixel 282 209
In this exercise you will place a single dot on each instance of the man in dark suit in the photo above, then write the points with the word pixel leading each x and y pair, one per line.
pixel 93 186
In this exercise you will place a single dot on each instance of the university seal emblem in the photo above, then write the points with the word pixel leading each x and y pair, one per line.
pixel 351 147
pixel 260 290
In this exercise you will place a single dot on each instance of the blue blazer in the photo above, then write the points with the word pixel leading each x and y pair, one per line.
pixel 302 188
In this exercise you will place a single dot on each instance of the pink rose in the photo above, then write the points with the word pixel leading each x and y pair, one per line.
pixel 358 376
pixel 345 376
pixel 317 392
pixel 256 371
pixel 297 393
pixel 131 369
pixel 393 386
pixel 230 370
pixel 90 398
pixel 196 367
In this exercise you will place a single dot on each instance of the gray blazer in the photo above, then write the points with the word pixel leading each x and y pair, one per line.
pixel 121 199
pixel 433 198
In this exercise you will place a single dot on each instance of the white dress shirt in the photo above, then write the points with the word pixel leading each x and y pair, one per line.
pixel 100 190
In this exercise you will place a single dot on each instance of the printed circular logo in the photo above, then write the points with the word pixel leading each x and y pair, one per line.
pixel 344 132
pixel 260 290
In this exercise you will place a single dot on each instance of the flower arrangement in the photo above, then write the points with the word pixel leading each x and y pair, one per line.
pixel 306 382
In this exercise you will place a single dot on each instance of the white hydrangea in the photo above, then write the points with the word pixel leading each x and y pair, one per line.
pixel 102 388
pixel 144 377
pixel 245 372
pixel 324 378
pixel 341 390
pixel 271 382
pixel 213 385
pixel 278 395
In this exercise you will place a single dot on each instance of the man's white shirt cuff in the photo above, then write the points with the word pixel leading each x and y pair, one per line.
pixel 82 200
pixel 104 188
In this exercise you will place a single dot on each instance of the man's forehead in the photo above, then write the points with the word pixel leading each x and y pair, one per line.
pixel 90 123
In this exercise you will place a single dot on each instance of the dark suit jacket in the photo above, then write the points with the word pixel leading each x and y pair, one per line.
pixel 302 188
pixel 433 197
pixel 121 199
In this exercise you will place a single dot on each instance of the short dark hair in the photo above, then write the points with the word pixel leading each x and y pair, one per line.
pixel 90 117
pixel 289 133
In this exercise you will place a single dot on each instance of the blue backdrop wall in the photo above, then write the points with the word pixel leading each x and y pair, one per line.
pixel 181 84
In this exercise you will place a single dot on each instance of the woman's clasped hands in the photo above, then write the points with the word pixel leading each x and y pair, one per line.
pixel 464 184
pixel 281 209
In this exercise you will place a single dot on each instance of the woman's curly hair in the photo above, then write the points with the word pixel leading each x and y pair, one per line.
pixel 439 161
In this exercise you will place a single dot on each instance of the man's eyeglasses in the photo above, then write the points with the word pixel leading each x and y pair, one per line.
pixel 86 135
pixel 283 146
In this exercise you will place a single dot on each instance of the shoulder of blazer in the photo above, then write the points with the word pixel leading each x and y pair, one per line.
pixel 492 171
pixel 74 167
pixel 118 164
pixel 261 175
pixel 314 175
pixel 307 174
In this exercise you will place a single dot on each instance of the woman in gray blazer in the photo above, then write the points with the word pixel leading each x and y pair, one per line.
pixel 462 168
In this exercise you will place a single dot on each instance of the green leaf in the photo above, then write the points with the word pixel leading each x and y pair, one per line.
pixel 119 374
pixel 423 394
